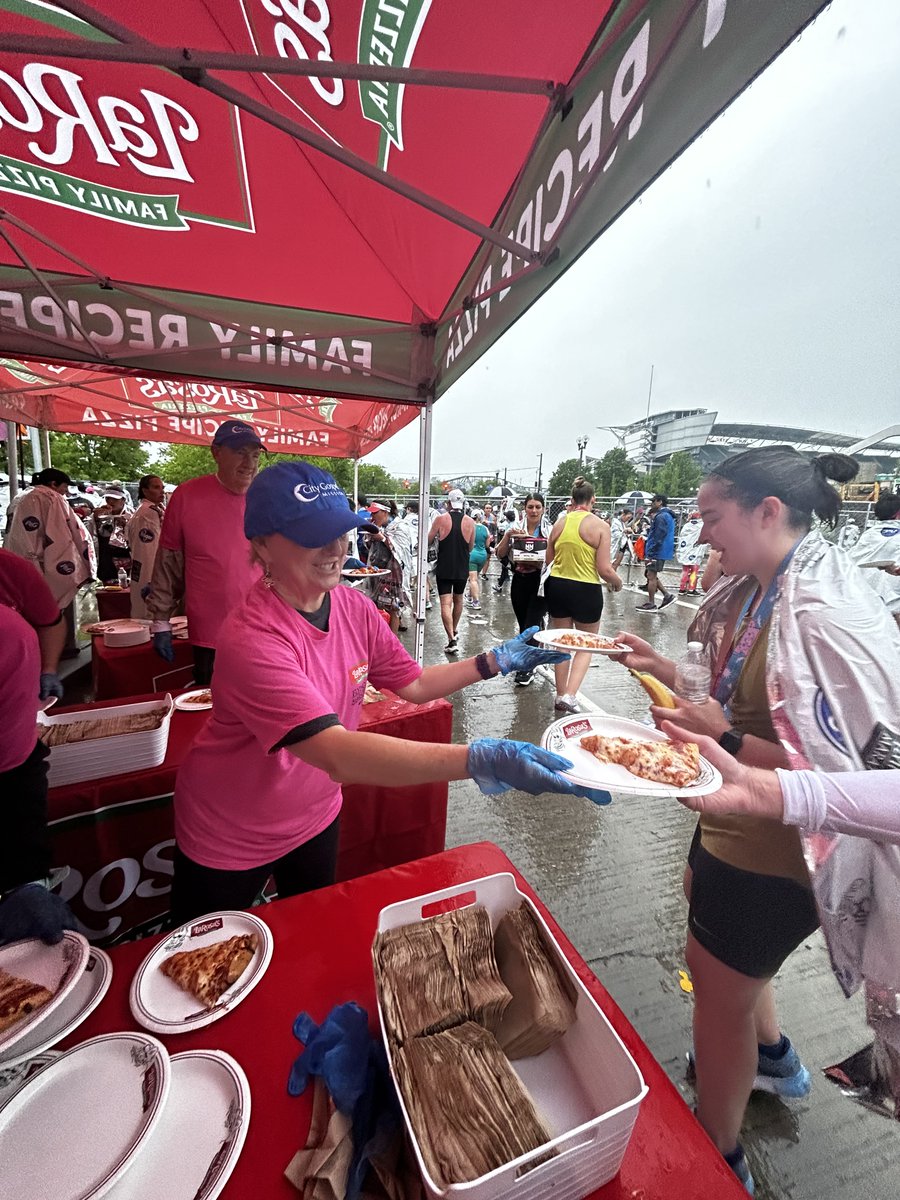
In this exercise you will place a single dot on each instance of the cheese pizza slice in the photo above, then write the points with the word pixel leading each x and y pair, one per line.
pixel 18 998
pixel 208 971
pixel 672 763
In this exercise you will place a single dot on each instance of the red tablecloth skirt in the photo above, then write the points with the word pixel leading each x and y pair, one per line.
pixel 138 670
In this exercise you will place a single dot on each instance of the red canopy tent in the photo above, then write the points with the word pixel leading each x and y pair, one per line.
pixel 351 198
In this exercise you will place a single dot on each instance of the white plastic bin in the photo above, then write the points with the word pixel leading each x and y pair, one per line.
pixel 586 1086
pixel 101 757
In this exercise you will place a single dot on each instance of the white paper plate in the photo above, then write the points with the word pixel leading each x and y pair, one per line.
pixel 56 967
pixel 89 990
pixel 881 562
pixel 355 573
pixel 202 1131
pixel 550 637
pixel 75 1127
pixel 117 625
pixel 14 1078
pixel 158 1003
pixel 564 736
pixel 184 701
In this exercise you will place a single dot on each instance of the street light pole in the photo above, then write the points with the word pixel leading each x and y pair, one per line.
pixel 581 443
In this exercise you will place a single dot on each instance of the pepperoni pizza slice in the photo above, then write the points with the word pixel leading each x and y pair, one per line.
pixel 19 998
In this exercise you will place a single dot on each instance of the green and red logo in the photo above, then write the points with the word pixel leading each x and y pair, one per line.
pixel 124 145
pixel 388 34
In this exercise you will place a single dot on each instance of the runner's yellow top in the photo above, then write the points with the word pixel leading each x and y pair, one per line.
pixel 573 557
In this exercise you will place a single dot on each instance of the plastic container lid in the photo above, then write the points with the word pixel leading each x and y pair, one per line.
pixel 695 645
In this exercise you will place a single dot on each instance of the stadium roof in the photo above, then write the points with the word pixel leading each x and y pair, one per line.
pixel 797 437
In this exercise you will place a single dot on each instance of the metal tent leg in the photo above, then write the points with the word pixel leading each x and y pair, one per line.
pixel 424 524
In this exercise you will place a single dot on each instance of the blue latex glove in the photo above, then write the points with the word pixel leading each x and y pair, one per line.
pixel 354 1068
pixel 30 911
pixel 353 564
pixel 517 655
pixel 498 764
pixel 162 644
pixel 146 591
pixel 338 1050
pixel 51 685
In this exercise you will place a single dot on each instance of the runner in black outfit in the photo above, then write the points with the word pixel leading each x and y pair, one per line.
pixel 457 533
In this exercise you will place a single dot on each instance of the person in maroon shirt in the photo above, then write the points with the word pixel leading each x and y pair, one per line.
pixel 32 633
pixel 23 588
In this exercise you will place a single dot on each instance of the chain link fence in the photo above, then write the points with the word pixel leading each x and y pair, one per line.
pixel 855 513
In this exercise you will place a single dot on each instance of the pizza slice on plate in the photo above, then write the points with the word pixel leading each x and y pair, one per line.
pixel 208 971
pixel 19 998
pixel 673 763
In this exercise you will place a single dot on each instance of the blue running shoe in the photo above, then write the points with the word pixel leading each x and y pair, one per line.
pixel 785 1076
pixel 738 1163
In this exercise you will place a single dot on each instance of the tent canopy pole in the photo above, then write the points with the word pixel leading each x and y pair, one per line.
pixel 424 521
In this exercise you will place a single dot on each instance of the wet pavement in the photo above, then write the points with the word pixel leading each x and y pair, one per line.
pixel 612 878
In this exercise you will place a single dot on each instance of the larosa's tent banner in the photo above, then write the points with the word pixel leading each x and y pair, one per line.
pixel 78 400
pixel 347 198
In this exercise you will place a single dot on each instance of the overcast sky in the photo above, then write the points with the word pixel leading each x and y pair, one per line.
pixel 760 276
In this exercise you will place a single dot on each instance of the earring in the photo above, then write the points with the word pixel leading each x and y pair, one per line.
pixel 267 576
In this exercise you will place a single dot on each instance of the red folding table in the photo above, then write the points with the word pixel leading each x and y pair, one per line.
pixel 322 958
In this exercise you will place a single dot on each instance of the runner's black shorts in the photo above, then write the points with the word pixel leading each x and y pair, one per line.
pixel 655 564
pixel 573 599
pixel 446 586
pixel 747 921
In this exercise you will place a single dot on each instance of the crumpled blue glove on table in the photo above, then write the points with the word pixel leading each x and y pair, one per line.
pixel 354 1069
pixel 30 911
pixel 517 655
pixel 499 764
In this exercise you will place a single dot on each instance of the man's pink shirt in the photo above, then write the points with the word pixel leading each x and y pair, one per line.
pixel 205 522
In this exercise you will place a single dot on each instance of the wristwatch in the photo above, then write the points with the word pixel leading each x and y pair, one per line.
pixel 732 740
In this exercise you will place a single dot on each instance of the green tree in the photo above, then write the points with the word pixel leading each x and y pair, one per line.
pixel 481 487
pixel 560 483
pixel 679 476
pixel 179 462
pixel 83 456
pixel 614 474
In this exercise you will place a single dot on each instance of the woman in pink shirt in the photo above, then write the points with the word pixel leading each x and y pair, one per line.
pixel 259 793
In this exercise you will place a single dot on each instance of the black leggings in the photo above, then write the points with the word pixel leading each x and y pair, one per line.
pixel 197 890
pixel 529 607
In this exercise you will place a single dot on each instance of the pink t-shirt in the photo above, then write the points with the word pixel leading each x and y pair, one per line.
pixel 238 802
pixel 20 670
pixel 205 522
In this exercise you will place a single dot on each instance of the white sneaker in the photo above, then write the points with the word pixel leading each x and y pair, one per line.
pixel 566 704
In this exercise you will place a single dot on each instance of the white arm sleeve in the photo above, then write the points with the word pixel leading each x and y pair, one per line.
pixel 861 803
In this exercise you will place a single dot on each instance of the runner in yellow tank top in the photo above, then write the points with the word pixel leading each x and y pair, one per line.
pixel 578 553
pixel 575 558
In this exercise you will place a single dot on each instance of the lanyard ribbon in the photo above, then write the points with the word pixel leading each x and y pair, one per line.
pixel 727 679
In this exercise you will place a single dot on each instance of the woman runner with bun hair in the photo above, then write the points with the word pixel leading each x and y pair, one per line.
pixel 805 673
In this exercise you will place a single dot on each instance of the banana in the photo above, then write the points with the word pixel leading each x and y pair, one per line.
pixel 658 692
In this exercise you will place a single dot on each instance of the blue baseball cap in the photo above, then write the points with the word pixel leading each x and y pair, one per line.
pixel 302 503
pixel 235 435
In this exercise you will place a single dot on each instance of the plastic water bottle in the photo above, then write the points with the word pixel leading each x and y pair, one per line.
pixel 693 676
pixel 123 577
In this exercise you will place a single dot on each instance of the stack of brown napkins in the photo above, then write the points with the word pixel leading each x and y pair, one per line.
pixel 100 727
pixel 439 974
pixel 543 997
pixel 467 1106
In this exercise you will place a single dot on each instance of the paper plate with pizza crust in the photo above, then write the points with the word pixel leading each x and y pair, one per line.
pixel 35 980
pixel 199 973
pixel 565 737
